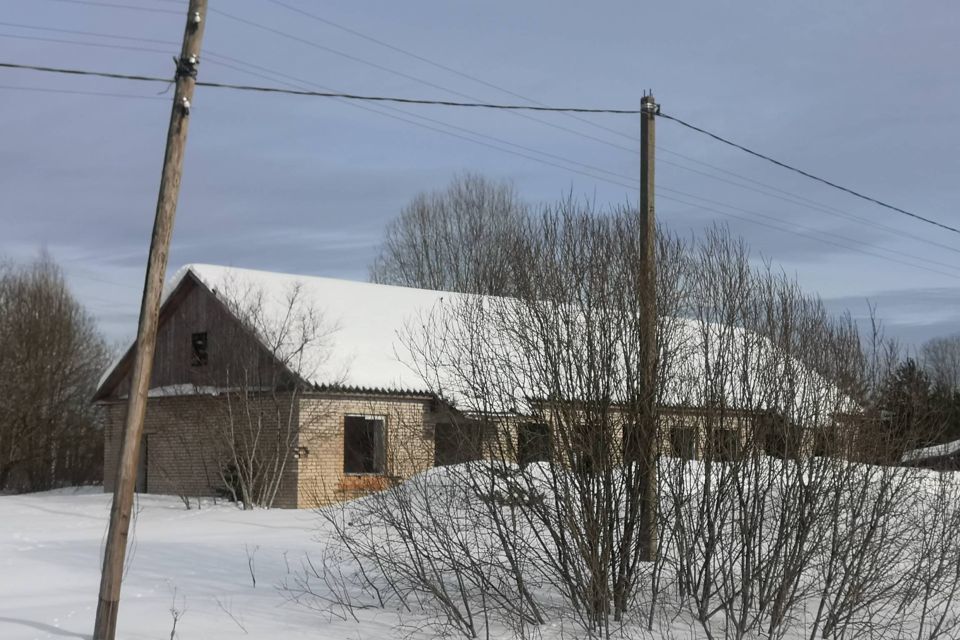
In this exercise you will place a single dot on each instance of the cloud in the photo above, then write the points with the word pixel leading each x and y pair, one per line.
pixel 912 315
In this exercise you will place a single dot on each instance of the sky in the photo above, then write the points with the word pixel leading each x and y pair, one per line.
pixel 862 92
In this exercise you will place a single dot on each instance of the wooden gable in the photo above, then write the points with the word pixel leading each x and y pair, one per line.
pixel 234 357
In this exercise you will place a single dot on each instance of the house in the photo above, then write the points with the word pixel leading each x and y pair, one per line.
pixel 306 384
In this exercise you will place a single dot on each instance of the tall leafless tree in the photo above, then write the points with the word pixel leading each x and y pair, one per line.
pixel 453 240
pixel 50 358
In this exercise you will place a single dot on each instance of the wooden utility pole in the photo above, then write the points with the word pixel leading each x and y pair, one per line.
pixel 125 484
pixel 648 350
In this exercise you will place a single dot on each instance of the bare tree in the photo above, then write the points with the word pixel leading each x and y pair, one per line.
pixel 51 355
pixel 453 240
pixel 941 358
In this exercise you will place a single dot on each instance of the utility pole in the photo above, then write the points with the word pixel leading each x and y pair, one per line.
pixel 105 626
pixel 648 350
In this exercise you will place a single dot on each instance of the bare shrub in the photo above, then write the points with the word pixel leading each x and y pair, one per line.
pixel 781 509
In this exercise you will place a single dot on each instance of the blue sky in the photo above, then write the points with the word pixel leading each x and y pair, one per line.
pixel 863 92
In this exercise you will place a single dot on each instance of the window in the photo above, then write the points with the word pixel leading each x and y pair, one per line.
pixel 364 444
pixel 725 444
pixel 780 439
pixel 824 443
pixel 198 349
pixel 533 443
pixel 456 443
pixel 683 442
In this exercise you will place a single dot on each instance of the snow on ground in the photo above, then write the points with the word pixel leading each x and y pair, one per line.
pixel 50 546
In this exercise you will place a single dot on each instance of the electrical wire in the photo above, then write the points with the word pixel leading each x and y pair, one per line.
pixel 784 195
pixel 808 204
pixel 102 45
pixel 809 237
pixel 352 96
pixel 467 104
pixel 318 94
pixel 79 32
pixel 661 188
pixel 464 75
pixel 116 5
pixel 77 92
pixel 807 174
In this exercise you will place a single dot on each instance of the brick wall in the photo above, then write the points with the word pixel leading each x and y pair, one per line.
pixel 409 445
pixel 184 453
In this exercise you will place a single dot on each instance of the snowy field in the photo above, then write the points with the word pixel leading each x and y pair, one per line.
pixel 219 571
pixel 193 561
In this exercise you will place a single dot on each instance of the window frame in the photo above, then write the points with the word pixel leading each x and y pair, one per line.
pixel 378 458
pixel 469 435
pixel 534 438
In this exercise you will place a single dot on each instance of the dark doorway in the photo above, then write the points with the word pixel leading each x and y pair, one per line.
pixel 533 443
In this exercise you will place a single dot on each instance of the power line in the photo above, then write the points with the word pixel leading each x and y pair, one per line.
pixel 102 45
pixel 787 196
pixel 806 203
pixel 810 237
pixel 475 79
pixel 807 174
pixel 405 118
pixel 101 94
pixel 116 5
pixel 402 74
pixel 806 228
pixel 513 108
pixel 78 32
pixel 318 94
pixel 630 184
pixel 458 73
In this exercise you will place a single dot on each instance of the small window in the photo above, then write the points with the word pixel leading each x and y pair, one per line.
pixel 364 445
pixel 198 349
pixel 683 442
pixel 533 443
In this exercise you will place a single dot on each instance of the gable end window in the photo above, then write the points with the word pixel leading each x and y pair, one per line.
pixel 364 445
pixel 198 349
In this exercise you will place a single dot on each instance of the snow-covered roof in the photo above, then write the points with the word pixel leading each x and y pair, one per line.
pixel 935 451
pixel 370 323
pixel 364 321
